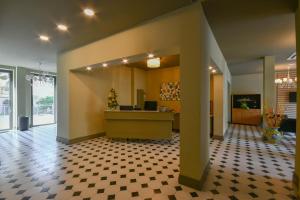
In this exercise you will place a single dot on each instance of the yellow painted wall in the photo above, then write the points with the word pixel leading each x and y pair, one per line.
pixel 218 104
pixel 154 80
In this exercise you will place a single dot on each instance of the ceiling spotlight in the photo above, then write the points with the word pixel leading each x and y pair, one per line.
pixel 150 55
pixel 210 67
pixel 88 68
pixel 62 27
pixel 125 60
pixel 44 38
pixel 214 71
pixel 89 12
pixel 104 65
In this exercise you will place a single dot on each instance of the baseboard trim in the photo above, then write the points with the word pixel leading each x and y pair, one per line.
pixel 193 183
pixel 221 137
pixel 218 137
pixel 80 139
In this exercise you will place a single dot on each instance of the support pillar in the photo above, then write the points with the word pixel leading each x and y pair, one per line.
pixel 269 94
pixel 194 119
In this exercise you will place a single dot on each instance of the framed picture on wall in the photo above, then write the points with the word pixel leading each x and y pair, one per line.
pixel 170 91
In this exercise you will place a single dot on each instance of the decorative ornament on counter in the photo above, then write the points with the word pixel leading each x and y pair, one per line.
pixel 112 102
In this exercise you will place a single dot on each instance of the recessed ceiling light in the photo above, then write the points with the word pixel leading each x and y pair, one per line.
pixel 210 67
pixel 104 65
pixel 125 60
pixel 44 38
pixel 214 71
pixel 89 12
pixel 89 68
pixel 150 55
pixel 62 27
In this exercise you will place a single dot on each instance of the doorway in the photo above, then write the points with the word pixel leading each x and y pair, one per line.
pixel 43 100
pixel 6 99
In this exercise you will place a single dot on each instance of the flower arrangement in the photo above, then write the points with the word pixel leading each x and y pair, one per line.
pixel 272 120
pixel 112 102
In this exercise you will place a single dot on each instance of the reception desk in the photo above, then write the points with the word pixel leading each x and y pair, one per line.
pixel 138 124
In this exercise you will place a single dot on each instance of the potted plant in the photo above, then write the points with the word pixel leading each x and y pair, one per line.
pixel 112 102
pixel 272 122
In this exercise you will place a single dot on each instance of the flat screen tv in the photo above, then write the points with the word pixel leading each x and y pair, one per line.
pixel 150 105
pixel 292 97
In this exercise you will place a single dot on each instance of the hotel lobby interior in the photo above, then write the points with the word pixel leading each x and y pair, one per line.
pixel 160 100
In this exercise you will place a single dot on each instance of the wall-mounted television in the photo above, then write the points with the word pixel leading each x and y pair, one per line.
pixel 292 97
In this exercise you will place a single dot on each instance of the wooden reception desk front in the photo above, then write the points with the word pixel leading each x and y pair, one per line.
pixel 138 124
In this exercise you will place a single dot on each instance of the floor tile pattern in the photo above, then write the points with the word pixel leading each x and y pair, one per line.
pixel 35 166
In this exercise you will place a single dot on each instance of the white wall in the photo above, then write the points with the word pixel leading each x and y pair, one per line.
pixel 247 84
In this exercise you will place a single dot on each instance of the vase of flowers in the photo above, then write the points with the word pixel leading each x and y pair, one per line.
pixel 272 121
pixel 112 102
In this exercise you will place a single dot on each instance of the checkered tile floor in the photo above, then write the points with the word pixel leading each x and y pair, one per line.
pixel 35 166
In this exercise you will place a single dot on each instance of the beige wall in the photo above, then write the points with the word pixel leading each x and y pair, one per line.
pixel 247 84
pixel 187 31
pixel 219 128
pixel 297 167
pixel 89 92
pixel 140 81
pixel 221 104
pixel 154 80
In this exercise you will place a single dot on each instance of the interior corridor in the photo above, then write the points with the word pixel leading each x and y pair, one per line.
pixel 35 166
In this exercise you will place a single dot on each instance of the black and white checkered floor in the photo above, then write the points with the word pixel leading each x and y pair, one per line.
pixel 35 166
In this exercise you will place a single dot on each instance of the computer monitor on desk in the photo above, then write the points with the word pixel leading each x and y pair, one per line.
pixel 150 105
pixel 125 107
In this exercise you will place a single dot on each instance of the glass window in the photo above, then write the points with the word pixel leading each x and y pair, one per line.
pixel 5 100
pixel 43 101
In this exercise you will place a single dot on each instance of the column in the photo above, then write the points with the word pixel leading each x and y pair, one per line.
pixel 194 119
pixel 269 94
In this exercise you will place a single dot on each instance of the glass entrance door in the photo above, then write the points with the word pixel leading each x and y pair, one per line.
pixel 43 101
pixel 6 99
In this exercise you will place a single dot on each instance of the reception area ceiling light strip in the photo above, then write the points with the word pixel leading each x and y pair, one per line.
pixel 153 63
